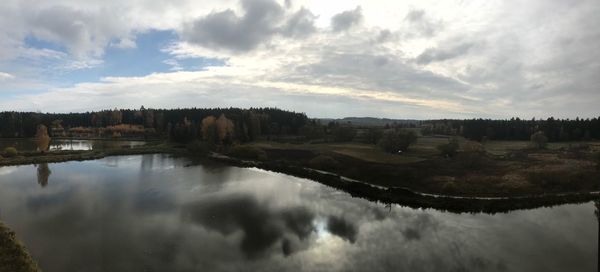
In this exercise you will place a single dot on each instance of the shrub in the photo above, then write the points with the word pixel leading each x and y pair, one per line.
pixel 198 148
pixel 472 160
pixel 247 152
pixel 13 255
pixel 313 132
pixel 343 134
pixel 449 187
pixel 397 140
pixel 473 147
pixel 539 140
pixel 579 147
pixel 449 149
pixel 324 162
pixel 10 152
pixel 373 135
pixel 517 154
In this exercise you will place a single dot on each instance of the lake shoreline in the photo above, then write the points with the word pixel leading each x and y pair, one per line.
pixel 389 195
pixel 25 158
pixel 414 199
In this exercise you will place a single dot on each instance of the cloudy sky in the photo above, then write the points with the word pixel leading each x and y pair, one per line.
pixel 398 59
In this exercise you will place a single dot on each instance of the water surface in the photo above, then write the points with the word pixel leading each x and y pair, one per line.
pixel 157 213
pixel 67 144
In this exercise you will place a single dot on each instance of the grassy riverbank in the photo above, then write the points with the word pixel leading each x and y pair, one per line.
pixel 505 177
pixel 500 169
pixel 13 255
pixel 414 199
pixel 82 155
pixel 503 169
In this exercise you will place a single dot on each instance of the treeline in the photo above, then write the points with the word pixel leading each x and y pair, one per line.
pixel 556 130
pixel 179 124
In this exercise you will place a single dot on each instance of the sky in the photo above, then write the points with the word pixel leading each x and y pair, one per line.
pixel 394 59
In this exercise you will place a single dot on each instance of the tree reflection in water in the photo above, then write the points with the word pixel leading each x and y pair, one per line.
pixel 43 173
pixel 161 213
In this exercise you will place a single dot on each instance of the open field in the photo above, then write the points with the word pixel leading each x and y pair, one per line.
pixel 366 152
pixel 504 147
pixel 423 149
pixel 504 169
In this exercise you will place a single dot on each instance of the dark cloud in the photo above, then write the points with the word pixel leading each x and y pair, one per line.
pixel 421 224
pixel 384 35
pixel 421 24
pixel 82 33
pixel 300 24
pixel 443 53
pixel 347 19
pixel 342 228
pixel 61 23
pixel 226 30
pixel 262 227
pixel 411 234
pixel 384 72
pixel 261 20
pixel 415 15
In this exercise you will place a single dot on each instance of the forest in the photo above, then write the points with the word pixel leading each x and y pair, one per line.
pixel 516 129
pixel 246 125
pixel 179 124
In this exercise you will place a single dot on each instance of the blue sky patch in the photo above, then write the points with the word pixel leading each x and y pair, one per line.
pixel 146 58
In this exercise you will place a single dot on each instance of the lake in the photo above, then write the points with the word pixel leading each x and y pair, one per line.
pixel 159 213
pixel 68 144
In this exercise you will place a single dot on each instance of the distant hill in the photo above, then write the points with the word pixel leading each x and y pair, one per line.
pixel 369 121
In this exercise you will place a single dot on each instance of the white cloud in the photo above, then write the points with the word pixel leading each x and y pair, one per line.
pixel 125 43
pixel 175 66
pixel 427 59
pixel 5 76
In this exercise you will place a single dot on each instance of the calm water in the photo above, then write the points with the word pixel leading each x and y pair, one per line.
pixel 62 144
pixel 152 213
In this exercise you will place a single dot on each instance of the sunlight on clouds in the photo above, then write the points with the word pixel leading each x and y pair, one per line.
pixel 459 58
pixel 360 94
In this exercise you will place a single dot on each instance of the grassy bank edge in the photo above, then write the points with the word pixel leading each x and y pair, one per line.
pixel 64 156
pixel 402 196
pixel 406 197
pixel 13 255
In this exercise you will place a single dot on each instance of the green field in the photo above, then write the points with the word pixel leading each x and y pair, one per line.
pixel 366 152
pixel 424 148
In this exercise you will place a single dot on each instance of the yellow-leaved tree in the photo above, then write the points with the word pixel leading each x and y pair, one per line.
pixel 224 129
pixel 42 139
pixel 209 128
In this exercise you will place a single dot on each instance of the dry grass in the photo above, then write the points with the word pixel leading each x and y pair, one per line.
pixel 424 148
pixel 366 152
pixel 13 256
pixel 504 147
